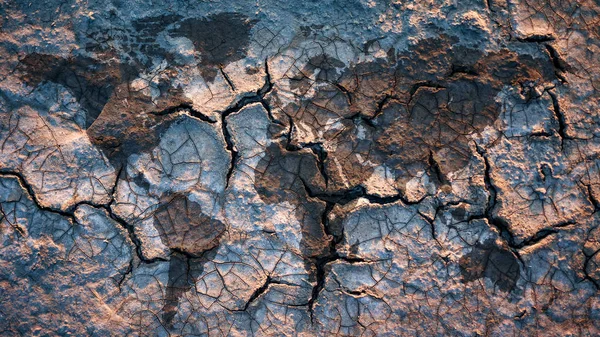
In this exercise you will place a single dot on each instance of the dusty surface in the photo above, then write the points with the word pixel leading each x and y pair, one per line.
pixel 310 168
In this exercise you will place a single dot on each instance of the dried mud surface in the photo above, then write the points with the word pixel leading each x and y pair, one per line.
pixel 310 168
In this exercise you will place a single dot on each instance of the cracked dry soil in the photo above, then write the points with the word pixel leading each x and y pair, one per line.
pixel 315 168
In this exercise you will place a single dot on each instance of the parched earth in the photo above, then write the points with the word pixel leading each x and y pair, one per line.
pixel 300 168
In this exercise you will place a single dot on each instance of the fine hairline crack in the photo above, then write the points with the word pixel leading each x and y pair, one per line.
pixel 257 97
pixel 331 199
pixel 500 224
pixel 70 212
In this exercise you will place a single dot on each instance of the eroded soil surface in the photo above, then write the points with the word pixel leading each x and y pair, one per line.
pixel 300 168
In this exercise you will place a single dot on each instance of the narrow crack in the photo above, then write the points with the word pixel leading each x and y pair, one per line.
pixel 427 84
pixel 535 134
pixel 230 147
pixel 490 5
pixel 345 196
pixel 595 202
pixel 268 86
pixel 375 199
pixel 321 264
pixel 16 227
pixel 565 224
pixel 187 107
pixel 320 153
pixel 560 66
pixel 431 223
pixel 500 224
pixel 290 133
pixel 332 199
pixel 69 213
pixel 587 276
pixel 489 186
pixel 343 89
pixel 560 118
pixel 264 91
pixel 316 291
pixel 520 314
pixel 378 111
pixel 456 70
pixel 226 77
pixel 349 195
pixel 322 261
pixel 257 97
pixel 260 291
pixel 537 38
pixel 127 272
pixel 536 238
pixel 23 182
pixel 112 191
pixel 435 166
pixel 380 105
pixel 132 235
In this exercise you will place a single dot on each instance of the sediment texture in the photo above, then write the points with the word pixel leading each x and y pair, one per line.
pixel 309 168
